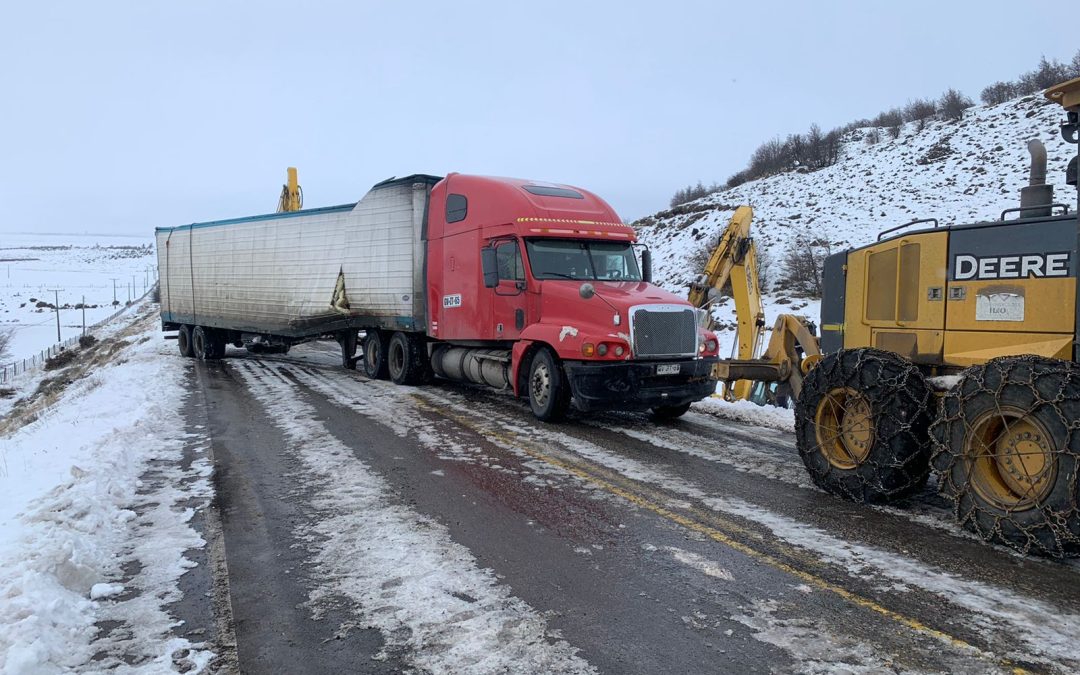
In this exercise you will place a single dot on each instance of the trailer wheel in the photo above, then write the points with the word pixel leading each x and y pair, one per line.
pixel 200 344
pixel 375 346
pixel 183 341
pixel 670 412
pixel 862 425
pixel 406 359
pixel 549 390
pixel 1007 449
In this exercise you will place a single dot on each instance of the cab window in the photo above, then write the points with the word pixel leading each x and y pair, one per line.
pixel 509 261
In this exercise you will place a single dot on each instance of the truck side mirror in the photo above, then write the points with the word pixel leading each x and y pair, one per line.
pixel 646 265
pixel 489 263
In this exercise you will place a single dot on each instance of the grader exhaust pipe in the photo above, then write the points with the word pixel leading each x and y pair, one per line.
pixel 1036 198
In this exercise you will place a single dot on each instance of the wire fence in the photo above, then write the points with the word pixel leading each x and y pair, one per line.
pixel 9 372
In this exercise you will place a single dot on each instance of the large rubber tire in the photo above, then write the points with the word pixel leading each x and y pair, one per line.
pixel 375 362
pixel 183 341
pixel 862 425
pixel 1007 449
pixel 670 412
pixel 200 344
pixel 407 360
pixel 549 390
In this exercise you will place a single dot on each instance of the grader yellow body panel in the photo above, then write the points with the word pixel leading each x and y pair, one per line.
pixel 895 296
pixel 960 296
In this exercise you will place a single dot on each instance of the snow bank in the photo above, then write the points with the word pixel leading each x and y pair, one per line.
pixel 78 507
pixel 751 413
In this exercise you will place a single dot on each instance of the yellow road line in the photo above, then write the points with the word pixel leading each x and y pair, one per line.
pixel 717 535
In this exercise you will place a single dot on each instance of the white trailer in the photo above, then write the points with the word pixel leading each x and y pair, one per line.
pixel 284 278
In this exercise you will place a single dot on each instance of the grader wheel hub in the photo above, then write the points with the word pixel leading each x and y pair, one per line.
pixel 845 427
pixel 1012 459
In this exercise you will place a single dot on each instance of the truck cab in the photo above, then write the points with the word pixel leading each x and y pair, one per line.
pixel 538 287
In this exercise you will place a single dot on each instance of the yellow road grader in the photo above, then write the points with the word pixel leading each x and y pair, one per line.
pixel 947 348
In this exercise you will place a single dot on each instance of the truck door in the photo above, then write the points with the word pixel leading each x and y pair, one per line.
pixel 508 313
pixel 902 285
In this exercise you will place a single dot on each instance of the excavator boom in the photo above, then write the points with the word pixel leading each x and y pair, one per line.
pixel 733 263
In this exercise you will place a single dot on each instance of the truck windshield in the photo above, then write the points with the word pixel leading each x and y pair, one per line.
pixel 586 260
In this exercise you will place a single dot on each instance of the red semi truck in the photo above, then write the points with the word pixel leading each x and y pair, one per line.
pixel 522 285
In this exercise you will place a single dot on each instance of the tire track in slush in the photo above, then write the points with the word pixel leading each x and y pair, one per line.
pixel 423 591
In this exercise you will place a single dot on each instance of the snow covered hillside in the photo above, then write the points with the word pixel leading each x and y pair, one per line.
pixel 957 172
pixel 81 266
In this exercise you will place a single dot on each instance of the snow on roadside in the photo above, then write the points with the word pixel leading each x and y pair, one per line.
pixel 769 416
pixel 1050 633
pixel 423 591
pixel 76 511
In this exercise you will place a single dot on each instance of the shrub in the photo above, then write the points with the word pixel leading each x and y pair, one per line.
pixel 60 360
pixel 953 104
pixel 804 260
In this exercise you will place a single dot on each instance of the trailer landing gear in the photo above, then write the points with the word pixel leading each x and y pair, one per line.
pixel 347 341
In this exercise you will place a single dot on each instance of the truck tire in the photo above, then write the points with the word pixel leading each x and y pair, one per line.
pixel 183 341
pixel 375 348
pixel 407 361
pixel 1007 453
pixel 862 425
pixel 549 390
pixel 670 412
pixel 200 344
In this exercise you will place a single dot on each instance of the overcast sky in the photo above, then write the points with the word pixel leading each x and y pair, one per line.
pixel 121 116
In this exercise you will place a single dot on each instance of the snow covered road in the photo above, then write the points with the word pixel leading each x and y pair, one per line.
pixel 371 527
pixel 280 514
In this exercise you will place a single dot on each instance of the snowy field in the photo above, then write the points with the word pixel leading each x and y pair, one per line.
pixel 80 510
pixel 81 266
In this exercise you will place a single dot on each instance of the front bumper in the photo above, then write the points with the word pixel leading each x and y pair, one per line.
pixel 625 385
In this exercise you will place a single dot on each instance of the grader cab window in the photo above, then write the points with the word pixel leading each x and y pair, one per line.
pixel 883 302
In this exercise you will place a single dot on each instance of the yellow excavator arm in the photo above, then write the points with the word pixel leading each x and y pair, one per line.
pixel 292 195
pixel 734 262
pixel 792 349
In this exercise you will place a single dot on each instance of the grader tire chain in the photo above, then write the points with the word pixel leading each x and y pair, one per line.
pixel 901 403
pixel 1048 389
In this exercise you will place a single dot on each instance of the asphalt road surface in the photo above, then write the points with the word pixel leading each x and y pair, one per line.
pixel 374 528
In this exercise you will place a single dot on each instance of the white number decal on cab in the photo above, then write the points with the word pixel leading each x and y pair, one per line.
pixel 449 301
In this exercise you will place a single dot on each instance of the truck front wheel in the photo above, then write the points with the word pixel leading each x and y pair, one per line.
pixel 375 349
pixel 549 390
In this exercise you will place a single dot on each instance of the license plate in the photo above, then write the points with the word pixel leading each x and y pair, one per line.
pixel 668 369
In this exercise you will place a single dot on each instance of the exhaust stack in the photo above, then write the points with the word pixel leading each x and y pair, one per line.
pixel 1036 197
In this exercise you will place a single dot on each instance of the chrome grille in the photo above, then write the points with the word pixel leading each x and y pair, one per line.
pixel 664 331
